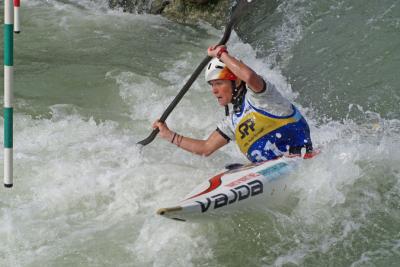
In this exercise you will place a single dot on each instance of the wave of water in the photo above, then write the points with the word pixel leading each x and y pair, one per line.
pixel 88 86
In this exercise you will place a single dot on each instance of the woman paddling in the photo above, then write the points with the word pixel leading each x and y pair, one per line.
pixel 264 124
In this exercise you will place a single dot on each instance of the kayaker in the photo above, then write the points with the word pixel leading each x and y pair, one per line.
pixel 264 124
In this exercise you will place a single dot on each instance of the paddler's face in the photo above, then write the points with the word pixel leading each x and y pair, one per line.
pixel 222 90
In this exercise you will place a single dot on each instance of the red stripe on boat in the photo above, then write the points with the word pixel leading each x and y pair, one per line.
pixel 215 182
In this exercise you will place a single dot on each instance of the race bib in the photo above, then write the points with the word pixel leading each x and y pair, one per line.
pixel 254 125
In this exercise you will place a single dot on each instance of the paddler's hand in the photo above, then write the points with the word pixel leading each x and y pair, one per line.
pixel 165 132
pixel 213 50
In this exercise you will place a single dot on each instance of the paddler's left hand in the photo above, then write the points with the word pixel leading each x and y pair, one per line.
pixel 165 132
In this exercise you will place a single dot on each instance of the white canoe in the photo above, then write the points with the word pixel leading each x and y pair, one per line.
pixel 232 190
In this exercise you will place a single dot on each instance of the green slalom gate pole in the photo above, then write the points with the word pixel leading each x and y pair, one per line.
pixel 8 92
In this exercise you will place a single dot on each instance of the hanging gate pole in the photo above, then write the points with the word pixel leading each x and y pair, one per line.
pixel 16 16
pixel 8 93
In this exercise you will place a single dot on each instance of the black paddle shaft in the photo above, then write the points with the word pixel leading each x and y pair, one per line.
pixel 238 9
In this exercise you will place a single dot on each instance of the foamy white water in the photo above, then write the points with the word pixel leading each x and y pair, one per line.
pixel 89 83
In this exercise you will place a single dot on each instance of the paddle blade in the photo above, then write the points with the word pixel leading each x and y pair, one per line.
pixel 150 138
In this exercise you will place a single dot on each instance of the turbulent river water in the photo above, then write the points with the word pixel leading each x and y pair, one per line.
pixel 90 81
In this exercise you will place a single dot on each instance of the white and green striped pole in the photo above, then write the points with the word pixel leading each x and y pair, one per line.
pixel 8 93
pixel 16 16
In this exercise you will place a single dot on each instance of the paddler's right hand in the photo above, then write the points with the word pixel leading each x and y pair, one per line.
pixel 165 132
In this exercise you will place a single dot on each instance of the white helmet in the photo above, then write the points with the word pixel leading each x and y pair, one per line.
pixel 217 70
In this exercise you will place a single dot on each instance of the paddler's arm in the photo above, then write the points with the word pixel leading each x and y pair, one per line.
pixel 241 70
pixel 199 147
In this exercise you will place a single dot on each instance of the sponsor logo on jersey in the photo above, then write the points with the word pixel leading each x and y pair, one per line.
pixel 245 127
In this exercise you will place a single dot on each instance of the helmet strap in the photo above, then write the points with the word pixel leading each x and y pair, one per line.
pixel 238 93
pixel 226 110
